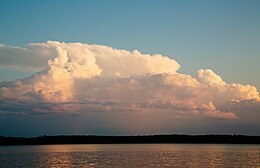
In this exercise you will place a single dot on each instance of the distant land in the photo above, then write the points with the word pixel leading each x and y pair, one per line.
pixel 140 139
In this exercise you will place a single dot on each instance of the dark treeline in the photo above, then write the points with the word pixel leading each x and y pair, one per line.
pixel 90 139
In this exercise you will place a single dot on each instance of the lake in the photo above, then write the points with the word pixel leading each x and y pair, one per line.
pixel 131 155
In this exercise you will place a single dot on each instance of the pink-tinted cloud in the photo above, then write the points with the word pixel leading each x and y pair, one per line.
pixel 82 78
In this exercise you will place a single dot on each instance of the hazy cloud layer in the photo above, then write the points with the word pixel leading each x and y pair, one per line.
pixel 80 79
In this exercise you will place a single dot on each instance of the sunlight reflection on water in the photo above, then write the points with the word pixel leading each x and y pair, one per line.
pixel 130 155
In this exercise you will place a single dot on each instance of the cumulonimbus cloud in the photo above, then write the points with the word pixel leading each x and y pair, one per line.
pixel 81 78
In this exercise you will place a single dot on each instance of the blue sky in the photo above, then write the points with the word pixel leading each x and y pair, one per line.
pixel 221 35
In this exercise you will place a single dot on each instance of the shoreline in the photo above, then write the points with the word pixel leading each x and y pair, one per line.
pixel 137 139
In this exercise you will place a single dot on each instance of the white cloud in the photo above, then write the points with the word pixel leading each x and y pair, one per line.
pixel 82 78
pixel 23 58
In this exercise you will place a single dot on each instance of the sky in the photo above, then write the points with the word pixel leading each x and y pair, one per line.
pixel 129 67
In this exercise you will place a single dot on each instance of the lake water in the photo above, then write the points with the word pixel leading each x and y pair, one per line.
pixel 131 155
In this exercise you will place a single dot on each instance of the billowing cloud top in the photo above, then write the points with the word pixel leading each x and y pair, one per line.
pixel 82 78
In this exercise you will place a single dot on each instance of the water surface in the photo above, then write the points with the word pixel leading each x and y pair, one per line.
pixel 131 155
